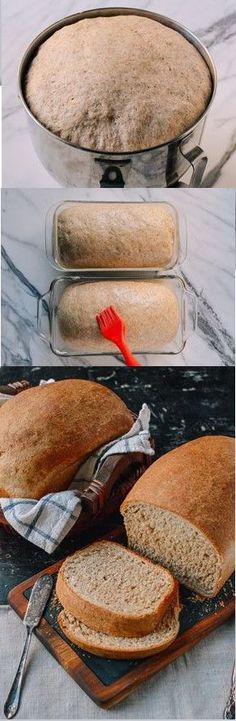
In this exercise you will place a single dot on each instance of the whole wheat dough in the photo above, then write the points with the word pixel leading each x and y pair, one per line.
pixel 115 235
pixel 120 83
pixel 150 310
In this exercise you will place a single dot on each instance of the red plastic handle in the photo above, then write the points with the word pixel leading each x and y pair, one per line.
pixel 128 356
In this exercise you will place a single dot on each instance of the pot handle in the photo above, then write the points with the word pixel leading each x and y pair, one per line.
pixel 197 158
pixel 112 178
pixel 190 314
pixel 43 317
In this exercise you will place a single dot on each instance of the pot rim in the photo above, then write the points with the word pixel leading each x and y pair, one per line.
pixel 106 12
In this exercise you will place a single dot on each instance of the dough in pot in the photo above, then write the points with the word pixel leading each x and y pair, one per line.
pixel 120 83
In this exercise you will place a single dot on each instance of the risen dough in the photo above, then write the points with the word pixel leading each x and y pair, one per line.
pixel 120 83
pixel 150 310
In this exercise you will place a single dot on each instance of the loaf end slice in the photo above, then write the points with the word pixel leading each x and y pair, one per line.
pixel 112 589
pixel 119 647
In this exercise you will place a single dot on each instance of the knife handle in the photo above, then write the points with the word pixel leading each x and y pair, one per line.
pixel 13 699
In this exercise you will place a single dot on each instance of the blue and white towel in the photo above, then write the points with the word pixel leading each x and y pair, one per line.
pixel 47 521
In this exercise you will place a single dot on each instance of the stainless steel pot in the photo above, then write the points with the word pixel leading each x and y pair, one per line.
pixel 162 166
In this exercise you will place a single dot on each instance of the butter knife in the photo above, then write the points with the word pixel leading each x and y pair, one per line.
pixel 229 711
pixel 38 599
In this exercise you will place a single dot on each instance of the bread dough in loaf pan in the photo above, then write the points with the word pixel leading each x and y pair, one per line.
pixel 93 237
pixel 159 312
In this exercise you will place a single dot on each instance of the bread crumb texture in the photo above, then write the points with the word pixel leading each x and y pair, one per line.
pixel 108 574
pixel 168 539
pixel 121 83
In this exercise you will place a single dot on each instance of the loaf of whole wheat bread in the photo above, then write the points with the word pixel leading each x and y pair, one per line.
pixel 121 83
pixel 122 647
pixel 150 310
pixel 180 513
pixel 47 432
pixel 115 235
pixel 115 591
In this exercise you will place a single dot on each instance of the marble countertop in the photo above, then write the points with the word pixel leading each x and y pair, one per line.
pixel 208 271
pixel 213 22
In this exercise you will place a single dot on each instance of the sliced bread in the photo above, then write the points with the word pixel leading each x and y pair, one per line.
pixel 102 644
pixel 113 590
pixel 181 513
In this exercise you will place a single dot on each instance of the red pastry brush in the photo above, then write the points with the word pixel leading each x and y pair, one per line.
pixel 112 327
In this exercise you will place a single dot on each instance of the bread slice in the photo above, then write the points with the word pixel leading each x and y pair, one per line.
pixel 102 644
pixel 113 590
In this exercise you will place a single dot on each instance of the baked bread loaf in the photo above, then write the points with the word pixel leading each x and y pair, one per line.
pixel 102 644
pixel 47 432
pixel 181 513
pixel 121 83
pixel 150 310
pixel 115 235
pixel 113 590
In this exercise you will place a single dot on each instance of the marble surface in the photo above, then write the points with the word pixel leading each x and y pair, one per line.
pixel 208 271
pixel 214 21
pixel 185 403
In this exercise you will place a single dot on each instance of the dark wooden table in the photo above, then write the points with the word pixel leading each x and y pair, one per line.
pixel 185 404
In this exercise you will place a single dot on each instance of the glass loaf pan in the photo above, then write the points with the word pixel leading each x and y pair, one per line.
pixel 51 225
pixel 47 314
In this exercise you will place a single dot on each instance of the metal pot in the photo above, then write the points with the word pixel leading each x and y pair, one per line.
pixel 162 166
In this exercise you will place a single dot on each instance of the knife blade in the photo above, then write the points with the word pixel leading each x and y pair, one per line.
pixel 38 599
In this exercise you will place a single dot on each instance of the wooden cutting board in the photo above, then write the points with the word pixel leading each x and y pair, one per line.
pixel 107 681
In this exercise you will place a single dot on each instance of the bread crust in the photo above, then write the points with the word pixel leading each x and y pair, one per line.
pixel 114 235
pixel 196 482
pixel 100 618
pixel 121 653
pixel 47 432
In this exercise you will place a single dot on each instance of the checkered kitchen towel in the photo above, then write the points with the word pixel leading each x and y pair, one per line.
pixel 47 521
